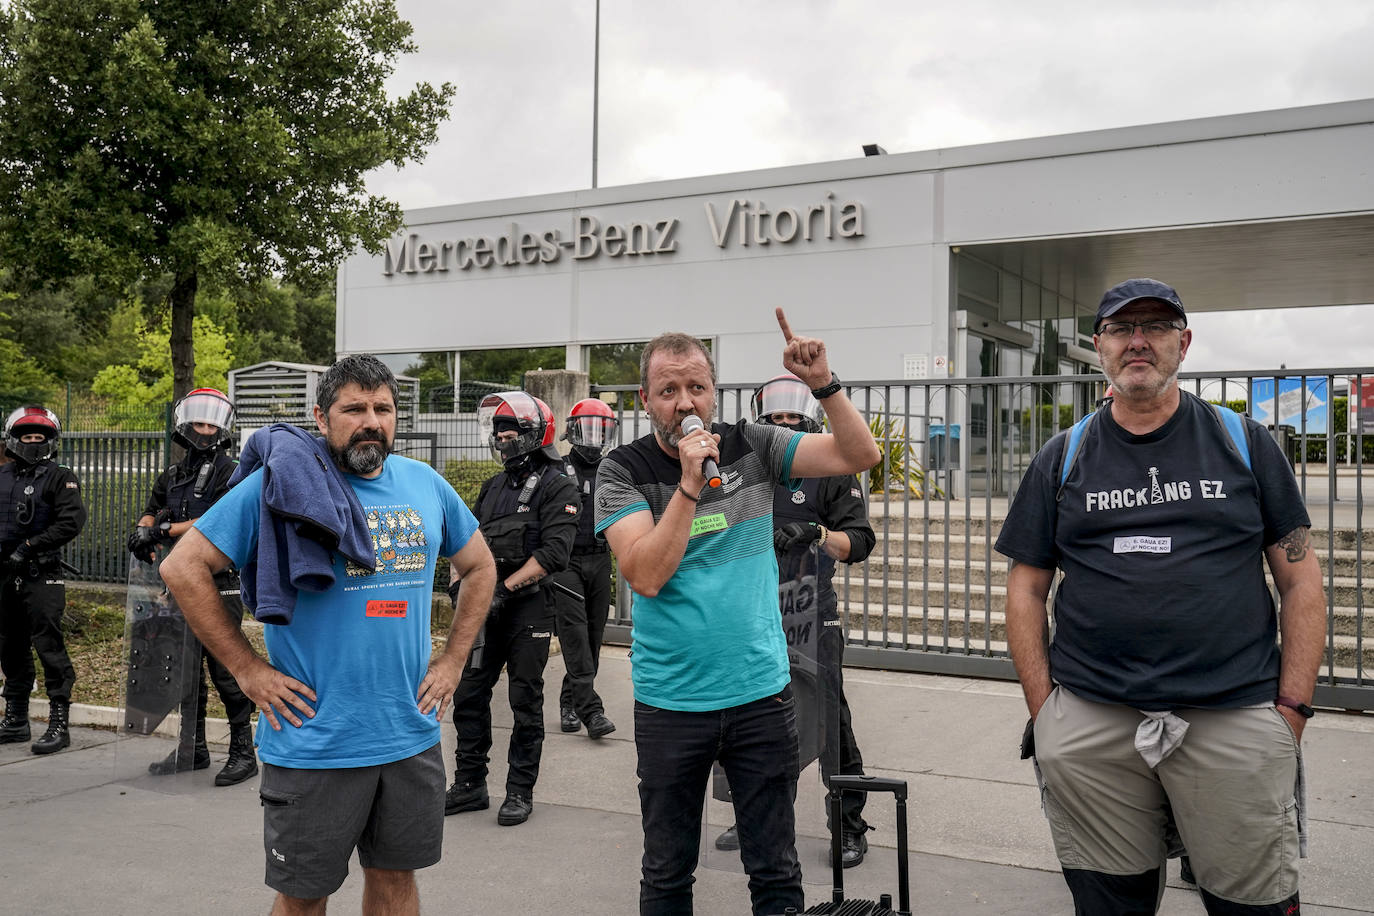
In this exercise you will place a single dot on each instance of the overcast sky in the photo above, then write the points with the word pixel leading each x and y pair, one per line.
pixel 713 86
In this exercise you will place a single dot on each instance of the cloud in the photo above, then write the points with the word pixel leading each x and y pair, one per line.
pixel 1263 339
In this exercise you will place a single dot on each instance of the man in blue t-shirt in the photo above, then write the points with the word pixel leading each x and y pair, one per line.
pixel 709 656
pixel 352 672
pixel 1163 695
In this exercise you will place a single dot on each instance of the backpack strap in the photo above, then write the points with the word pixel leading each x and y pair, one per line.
pixel 1234 425
pixel 1232 422
pixel 1071 446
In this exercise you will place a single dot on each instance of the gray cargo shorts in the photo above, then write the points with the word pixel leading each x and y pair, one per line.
pixel 1230 783
pixel 393 814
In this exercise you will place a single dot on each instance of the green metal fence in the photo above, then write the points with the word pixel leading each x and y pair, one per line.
pixel 116 471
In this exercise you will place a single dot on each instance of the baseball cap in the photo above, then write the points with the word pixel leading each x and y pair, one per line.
pixel 1123 294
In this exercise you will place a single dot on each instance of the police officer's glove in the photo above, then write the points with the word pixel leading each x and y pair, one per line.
pixel 19 557
pixel 142 543
pixel 453 591
pixel 499 597
pixel 793 534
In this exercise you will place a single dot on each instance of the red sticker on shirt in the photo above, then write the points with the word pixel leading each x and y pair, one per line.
pixel 386 608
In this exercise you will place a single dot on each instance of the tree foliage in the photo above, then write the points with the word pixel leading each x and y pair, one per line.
pixel 147 381
pixel 202 141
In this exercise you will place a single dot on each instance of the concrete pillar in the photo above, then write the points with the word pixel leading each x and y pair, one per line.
pixel 560 389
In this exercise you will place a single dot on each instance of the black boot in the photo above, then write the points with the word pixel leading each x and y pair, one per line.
pixel 56 737
pixel 242 761
pixel 191 753
pixel 15 726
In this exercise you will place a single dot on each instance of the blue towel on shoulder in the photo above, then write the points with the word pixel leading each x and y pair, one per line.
pixel 309 511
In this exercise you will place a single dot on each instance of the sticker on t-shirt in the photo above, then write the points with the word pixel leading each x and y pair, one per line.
pixel 386 608
pixel 1142 543
pixel 708 523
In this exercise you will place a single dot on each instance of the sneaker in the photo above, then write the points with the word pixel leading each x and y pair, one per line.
pixel 598 726
pixel 729 839
pixel 468 796
pixel 568 720
pixel 515 809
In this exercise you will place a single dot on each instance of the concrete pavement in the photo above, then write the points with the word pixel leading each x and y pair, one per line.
pixel 88 831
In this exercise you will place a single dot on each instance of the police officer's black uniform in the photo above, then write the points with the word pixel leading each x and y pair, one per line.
pixel 40 511
pixel 582 623
pixel 837 504
pixel 530 512
pixel 184 492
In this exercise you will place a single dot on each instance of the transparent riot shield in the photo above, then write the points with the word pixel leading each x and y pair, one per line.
pixel 799 574
pixel 162 684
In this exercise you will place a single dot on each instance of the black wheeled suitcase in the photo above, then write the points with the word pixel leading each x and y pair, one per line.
pixel 839 905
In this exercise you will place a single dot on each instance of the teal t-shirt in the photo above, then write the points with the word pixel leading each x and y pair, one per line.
pixel 364 645
pixel 712 637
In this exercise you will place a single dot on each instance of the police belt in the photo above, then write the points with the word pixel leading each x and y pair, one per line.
pixel 585 551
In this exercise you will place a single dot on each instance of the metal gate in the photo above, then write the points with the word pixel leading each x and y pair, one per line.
pixel 932 595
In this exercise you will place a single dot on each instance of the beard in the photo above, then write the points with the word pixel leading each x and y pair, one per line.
pixel 669 429
pixel 1164 376
pixel 364 452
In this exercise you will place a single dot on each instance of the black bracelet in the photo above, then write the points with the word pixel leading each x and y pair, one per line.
pixel 821 394
pixel 688 495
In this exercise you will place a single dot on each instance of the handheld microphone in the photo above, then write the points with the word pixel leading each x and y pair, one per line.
pixel 690 424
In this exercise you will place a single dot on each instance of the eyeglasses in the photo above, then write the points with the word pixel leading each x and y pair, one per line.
pixel 1124 330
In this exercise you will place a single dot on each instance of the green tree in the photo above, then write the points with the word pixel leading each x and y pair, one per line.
pixel 148 381
pixel 200 141
pixel 274 321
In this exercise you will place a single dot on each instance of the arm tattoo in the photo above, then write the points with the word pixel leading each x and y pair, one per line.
pixel 1295 545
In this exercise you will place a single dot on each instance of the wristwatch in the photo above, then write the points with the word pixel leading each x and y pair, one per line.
pixel 821 394
pixel 1301 709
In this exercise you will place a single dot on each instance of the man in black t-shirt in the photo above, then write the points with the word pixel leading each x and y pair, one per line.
pixel 1164 669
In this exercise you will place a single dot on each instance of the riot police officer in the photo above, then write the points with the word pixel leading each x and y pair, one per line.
pixel 40 510
pixel 528 514
pixel 829 513
pixel 584 598
pixel 181 494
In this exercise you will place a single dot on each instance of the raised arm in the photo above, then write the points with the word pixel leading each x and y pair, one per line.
pixel 648 554
pixel 849 447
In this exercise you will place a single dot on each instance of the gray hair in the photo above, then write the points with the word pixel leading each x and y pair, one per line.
pixel 363 369
pixel 673 342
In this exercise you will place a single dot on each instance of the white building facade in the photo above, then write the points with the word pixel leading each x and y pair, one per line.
pixel 969 262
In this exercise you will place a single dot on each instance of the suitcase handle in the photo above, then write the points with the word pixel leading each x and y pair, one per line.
pixel 840 784
pixel 869 784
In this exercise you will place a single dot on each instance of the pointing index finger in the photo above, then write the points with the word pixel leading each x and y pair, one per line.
pixel 782 323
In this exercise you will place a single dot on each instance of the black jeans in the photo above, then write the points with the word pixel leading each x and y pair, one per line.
pixel 581 624
pixel 757 745
pixel 518 638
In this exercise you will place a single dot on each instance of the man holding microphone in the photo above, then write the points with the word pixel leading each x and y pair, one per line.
pixel 709 655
